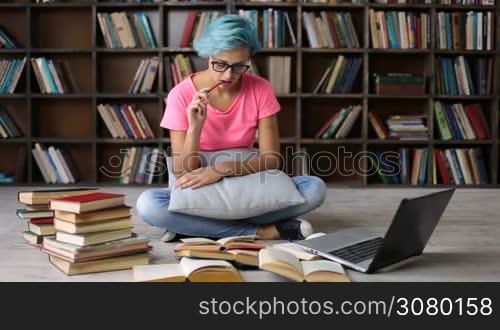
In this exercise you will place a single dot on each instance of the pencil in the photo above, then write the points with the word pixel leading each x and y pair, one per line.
pixel 213 87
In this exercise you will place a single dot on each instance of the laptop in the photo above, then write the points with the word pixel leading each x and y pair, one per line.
pixel 407 236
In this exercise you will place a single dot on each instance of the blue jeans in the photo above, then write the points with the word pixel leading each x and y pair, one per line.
pixel 152 207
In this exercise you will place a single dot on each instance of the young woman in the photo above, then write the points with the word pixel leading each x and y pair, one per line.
pixel 222 118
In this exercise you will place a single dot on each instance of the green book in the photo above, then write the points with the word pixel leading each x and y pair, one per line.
pixel 336 123
pixel 444 129
pixel 378 170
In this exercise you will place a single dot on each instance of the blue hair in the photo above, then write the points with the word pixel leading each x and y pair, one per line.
pixel 225 33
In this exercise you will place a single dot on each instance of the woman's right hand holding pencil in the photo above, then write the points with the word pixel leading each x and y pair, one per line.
pixel 197 109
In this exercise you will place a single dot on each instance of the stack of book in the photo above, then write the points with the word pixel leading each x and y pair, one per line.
pixel 273 27
pixel 123 121
pixel 396 167
pixel 330 30
pixel 54 164
pixel 399 29
pixel 340 124
pixel 460 166
pixel 407 127
pixel 6 41
pixel 339 77
pixel 242 250
pixel 461 122
pixel 194 23
pixel 10 72
pixel 127 30
pixel 145 76
pixel 53 76
pixel 140 165
pixel 38 213
pixel 464 76
pixel 399 84
pixel 279 69
pixel 465 30
pixel 93 233
pixel 8 128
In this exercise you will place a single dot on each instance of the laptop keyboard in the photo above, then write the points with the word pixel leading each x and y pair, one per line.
pixel 358 252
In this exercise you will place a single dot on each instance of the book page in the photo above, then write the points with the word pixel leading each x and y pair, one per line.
pixel 198 241
pixel 322 265
pixel 296 250
pixel 285 257
pixel 144 273
pixel 248 238
pixel 190 265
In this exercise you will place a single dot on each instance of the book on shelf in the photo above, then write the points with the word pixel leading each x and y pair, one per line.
pixel 55 164
pixel 124 121
pixel 464 75
pixel 378 125
pixel 460 166
pixel 179 67
pixel 330 30
pixel 6 40
pixel 10 73
pixel 53 76
pixel 395 83
pixel 6 178
pixel 129 29
pixel 279 73
pixel 339 125
pixel 140 165
pixel 186 26
pixel 404 166
pixel 461 121
pixel 145 76
pixel 8 127
pixel 407 127
pixel 340 75
pixel 399 29
pixel 465 30
pixel 273 27
pixel 467 2
pixel 286 264
pixel 189 269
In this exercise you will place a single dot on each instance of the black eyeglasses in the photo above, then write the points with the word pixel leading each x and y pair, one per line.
pixel 236 68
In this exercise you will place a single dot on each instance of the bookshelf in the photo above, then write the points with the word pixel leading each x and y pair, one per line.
pixel 104 74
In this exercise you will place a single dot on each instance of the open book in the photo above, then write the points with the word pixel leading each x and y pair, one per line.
pixel 194 270
pixel 286 264
pixel 242 249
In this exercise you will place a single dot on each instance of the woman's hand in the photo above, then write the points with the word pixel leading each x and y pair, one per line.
pixel 200 177
pixel 197 109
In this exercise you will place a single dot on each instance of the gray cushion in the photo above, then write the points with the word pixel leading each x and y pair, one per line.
pixel 235 197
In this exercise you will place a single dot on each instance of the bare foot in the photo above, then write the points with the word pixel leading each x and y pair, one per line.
pixel 268 232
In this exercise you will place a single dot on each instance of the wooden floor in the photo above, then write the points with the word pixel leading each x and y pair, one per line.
pixel 464 247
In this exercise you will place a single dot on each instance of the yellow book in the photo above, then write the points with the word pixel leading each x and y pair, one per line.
pixel 194 270
pixel 286 264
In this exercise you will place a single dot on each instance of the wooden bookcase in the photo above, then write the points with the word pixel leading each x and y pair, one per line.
pixel 70 31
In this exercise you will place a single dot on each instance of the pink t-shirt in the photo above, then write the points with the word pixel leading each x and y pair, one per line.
pixel 233 128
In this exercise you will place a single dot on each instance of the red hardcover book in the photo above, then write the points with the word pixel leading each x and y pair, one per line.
pixel 443 171
pixel 188 28
pixel 330 18
pixel 475 121
pixel 42 221
pixel 326 125
pixel 86 203
pixel 482 119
